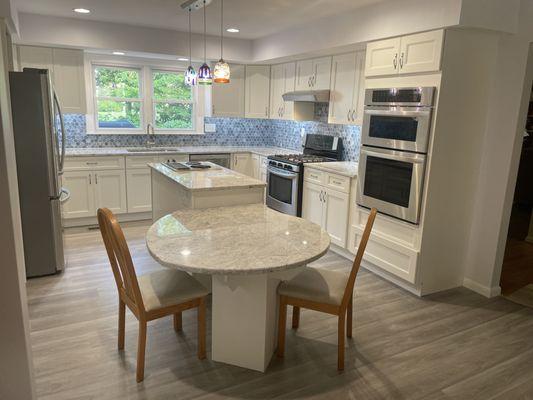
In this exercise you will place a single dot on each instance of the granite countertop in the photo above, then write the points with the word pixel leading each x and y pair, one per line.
pixel 214 178
pixel 123 151
pixel 345 168
pixel 235 240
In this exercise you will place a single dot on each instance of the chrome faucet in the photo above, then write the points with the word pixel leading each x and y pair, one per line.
pixel 150 135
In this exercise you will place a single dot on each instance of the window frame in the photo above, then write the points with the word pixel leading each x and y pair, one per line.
pixel 201 94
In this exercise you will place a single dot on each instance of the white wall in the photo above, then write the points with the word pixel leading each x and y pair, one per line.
pixel 16 381
pixel 8 11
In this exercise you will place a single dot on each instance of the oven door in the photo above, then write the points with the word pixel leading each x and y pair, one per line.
pixel 392 181
pixel 400 128
pixel 282 190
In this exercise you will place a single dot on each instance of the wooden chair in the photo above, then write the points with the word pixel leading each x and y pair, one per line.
pixel 151 296
pixel 322 290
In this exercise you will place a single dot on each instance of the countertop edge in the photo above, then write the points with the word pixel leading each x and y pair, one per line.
pixel 331 170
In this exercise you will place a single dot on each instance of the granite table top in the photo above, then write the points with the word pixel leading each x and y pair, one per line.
pixel 213 178
pixel 241 239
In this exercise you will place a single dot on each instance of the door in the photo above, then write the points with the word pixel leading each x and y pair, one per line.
pixel 382 57
pixel 277 88
pixel 336 209
pixel 110 190
pixel 228 98
pixel 304 71
pixel 69 80
pixel 321 73
pixel 257 90
pixel 139 190
pixel 420 52
pixel 81 202
pixel 312 203
pixel 289 72
pixel 342 89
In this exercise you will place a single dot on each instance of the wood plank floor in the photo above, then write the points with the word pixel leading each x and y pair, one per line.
pixel 454 345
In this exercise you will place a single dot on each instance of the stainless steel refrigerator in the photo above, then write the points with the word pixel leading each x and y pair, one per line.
pixel 40 149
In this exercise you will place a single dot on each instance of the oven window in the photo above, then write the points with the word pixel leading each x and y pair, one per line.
pixel 280 188
pixel 395 128
pixel 388 180
pixel 397 96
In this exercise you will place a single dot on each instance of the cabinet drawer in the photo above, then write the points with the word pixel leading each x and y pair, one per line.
pixel 140 161
pixel 314 176
pixel 390 256
pixel 338 182
pixel 93 163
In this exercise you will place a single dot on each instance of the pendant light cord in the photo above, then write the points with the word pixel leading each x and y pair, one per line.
pixel 221 28
pixel 205 39
pixel 190 41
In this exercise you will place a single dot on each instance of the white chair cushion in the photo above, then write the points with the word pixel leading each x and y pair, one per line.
pixel 316 284
pixel 168 287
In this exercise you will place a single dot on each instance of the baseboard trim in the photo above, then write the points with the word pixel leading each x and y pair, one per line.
pixel 93 221
pixel 481 289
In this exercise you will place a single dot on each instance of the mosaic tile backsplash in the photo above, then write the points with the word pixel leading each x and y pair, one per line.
pixel 229 132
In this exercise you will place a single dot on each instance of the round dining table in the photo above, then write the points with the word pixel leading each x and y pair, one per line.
pixel 246 251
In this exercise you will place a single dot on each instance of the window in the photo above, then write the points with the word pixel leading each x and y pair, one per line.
pixel 172 100
pixel 118 98
pixel 127 98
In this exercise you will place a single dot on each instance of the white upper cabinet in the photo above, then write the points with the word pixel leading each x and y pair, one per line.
pixel 313 74
pixel 282 80
pixel 228 98
pixel 67 71
pixel 347 88
pixel 257 91
pixel 416 53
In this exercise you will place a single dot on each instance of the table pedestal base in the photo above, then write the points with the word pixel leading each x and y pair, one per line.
pixel 245 312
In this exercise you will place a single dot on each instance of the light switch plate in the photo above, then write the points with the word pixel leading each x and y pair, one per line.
pixel 210 128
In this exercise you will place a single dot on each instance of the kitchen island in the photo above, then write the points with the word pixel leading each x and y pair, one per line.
pixel 215 186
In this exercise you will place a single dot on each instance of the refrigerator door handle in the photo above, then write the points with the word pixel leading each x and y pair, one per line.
pixel 63 135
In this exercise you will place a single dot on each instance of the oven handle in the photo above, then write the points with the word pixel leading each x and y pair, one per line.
pixel 280 172
pixel 396 155
pixel 401 111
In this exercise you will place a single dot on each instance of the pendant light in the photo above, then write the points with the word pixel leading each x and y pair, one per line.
pixel 204 73
pixel 222 71
pixel 190 74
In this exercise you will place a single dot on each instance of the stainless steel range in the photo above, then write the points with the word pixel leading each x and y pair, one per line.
pixel 285 172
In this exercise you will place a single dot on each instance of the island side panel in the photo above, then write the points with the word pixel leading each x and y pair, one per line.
pixel 167 196
pixel 228 197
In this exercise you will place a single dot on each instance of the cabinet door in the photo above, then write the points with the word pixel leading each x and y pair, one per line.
pixel 277 88
pixel 139 190
pixel 304 71
pixel 312 204
pixel 359 89
pixel 256 166
pixel 241 163
pixel 289 76
pixel 257 86
pixel 342 89
pixel 110 190
pixel 382 57
pixel 36 57
pixel 336 210
pixel 81 202
pixel 69 80
pixel 228 98
pixel 421 52
pixel 321 73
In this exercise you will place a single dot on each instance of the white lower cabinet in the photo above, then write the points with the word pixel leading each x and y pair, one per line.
pixel 241 162
pixel 81 202
pixel 139 190
pixel 110 191
pixel 312 205
pixel 256 166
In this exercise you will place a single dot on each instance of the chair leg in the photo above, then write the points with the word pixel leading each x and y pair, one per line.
pixel 141 348
pixel 282 326
pixel 177 322
pixel 349 318
pixel 340 350
pixel 201 329
pixel 295 317
pixel 121 324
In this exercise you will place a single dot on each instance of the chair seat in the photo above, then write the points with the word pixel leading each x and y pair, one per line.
pixel 169 287
pixel 315 284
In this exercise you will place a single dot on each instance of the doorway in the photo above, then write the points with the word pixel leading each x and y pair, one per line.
pixel 517 269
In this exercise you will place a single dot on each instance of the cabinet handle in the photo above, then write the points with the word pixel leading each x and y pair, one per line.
pixel 313 81
pixel 266 111
pixel 282 111
pixel 213 109
pixel 309 81
pixel 352 116
pixel 91 163
pixel 96 179
pixel 401 60
pixel 395 60
pixel 90 180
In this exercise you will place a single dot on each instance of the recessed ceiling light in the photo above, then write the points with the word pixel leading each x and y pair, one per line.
pixel 118 53
pixel 82 10
pixel 232 30
pixel 183 59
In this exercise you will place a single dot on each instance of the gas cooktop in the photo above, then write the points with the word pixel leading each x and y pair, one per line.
pixel 298 159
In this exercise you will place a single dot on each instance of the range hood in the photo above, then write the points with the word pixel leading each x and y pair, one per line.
pixel 309 96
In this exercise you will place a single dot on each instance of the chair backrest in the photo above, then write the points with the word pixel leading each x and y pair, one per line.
pixel 120 258
pixel 348 292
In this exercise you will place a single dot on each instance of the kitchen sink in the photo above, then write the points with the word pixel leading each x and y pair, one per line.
pixel 151 150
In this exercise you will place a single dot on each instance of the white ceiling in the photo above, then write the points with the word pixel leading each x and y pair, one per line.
pixel 255 18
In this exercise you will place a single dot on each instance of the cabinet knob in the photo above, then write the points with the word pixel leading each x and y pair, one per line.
pixel 395 60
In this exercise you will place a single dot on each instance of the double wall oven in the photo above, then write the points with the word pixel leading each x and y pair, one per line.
pixel 395 139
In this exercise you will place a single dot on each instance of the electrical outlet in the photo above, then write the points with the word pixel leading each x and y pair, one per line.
pixel 210 128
